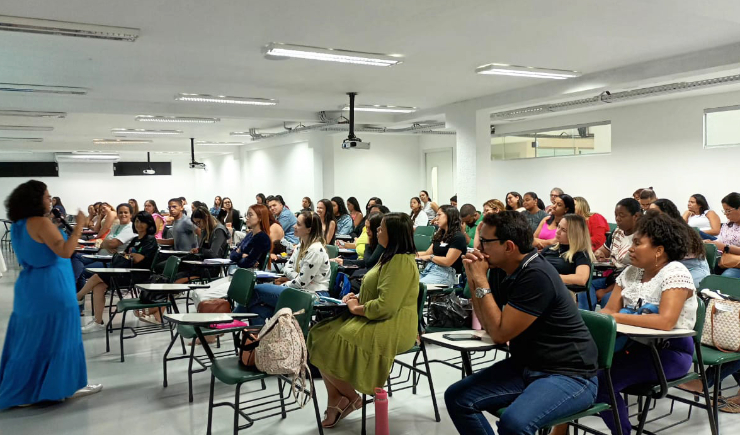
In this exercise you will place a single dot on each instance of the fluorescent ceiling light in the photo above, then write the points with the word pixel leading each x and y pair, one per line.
pixel 64 28
pixel 178 119
pixel 381 108
pixel 205 98
pixel 240 134
pixel 276 50
pixel 168 152
pixel 42 89
pixel 25 128
pixel 206 142
pixel 526 71
pixel 33 114
pixel 21 139
pixel 121 141
pixel 143 132
pixel 77 156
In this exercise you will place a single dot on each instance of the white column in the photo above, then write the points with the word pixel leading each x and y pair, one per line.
pixel 473 143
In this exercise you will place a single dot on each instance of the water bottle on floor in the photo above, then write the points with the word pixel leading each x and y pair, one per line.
pixel 381 412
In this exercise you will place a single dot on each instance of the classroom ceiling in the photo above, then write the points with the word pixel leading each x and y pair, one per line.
pixel 215 48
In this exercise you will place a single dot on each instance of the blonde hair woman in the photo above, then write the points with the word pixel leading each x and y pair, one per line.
pixel 597 225
pixel 571 255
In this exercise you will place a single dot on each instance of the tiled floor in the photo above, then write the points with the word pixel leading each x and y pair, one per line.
pixel 133 400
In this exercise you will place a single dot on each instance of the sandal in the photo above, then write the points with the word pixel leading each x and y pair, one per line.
pixel 728 406
pixel 150 319
pixel 353 406
pixel 338 417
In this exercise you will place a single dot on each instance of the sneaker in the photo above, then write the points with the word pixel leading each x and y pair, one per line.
pixel 84 320
pixel 87 390
pixel 93 326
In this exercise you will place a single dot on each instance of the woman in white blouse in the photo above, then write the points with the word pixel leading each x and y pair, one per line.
pixel 308 269
pixel 660 290
pixel 700 216
pixel 418 217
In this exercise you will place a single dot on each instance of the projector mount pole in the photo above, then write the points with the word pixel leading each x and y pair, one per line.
pixel 148 160
pixel 192 149
pixel 352 115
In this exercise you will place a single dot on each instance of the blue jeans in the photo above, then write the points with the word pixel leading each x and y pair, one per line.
pixel 435 274
pixel 699 269
pixel 706 236
pixel 265 300
pixel 730 368
pixel 596 284
pixel 533 399
pixel 732 273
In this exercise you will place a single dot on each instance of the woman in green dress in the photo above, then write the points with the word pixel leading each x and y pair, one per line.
pixel 355 351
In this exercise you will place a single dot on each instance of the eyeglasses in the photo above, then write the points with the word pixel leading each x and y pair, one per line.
pixel 484 241
pixel 728 211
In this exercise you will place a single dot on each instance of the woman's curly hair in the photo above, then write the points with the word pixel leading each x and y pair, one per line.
pixel 665 231
pixel 26 200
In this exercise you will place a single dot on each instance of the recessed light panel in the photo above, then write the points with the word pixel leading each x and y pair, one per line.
pixel 205 142
pixel 21 139
pixel 382 108
pixel 526 71
pixel 176 119
pixel 223 99
pixel 121 141
pixel 33 114
pixel 25 128
pixel 143 132
pixel 276 50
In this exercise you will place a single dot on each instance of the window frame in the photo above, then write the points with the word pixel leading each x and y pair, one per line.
pixel 546 129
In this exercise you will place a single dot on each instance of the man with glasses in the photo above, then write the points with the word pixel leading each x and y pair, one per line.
pixel 552 369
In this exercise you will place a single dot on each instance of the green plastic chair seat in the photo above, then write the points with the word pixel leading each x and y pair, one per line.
pixel 134 304
pixel 713 357
pixel 594 409
pixel 230 372
pixel 653 389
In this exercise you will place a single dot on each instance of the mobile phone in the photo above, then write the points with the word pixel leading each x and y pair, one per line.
pixel 460 337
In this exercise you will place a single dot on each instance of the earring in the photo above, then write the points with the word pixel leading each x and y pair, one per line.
pixel 656 260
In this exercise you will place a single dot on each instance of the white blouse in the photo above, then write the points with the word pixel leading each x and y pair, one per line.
pixel 671 276
pixel 701 221
pixel 314 272
pixel 421 220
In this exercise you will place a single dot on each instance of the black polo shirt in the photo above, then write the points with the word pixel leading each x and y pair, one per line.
pixel 558 340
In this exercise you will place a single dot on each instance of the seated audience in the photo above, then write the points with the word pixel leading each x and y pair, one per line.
pixel 56 203
pixel 182 231
pixel 626 214
pixel 418 217
pixel 636 193
pixel 120 233
pixel 534 210
pixel 470 218
pixel 492 206
pixel 307 204
pixel 308 269
pixel 134 206
pixel 328 223
pixel 728 241
pixel 92 215
pixel 453 200
pixel 344 222
pixel 353 206
pixel 151 207
pixel 656 277
pixel 216 209
pixel 106 218
pixel 544 235
pixel 647 197
pixel 444 256
pixel 360 228
pixel 284 216
pixel 138 253
pixel 197 204
pixel 260 199
pixel 523 302
pixel 355 351
pixel 700 216
pixel 229 216
pixel 597 225
pixel 250 254
pixel 554 194
pixel 430 207
pixel 696 258
pixel 277 235
pixel 371 250
pixel 514 201
pixel 571 255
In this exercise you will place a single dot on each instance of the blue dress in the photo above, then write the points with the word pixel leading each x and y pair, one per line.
pixel 43 358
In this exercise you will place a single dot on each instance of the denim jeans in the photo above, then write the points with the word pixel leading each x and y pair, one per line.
pixel 730 368
pixel 596 284
pixel 533 399
pixel 699 269
pixel 732 273
pixel 706 236
pixel 435 274
pixel 265 300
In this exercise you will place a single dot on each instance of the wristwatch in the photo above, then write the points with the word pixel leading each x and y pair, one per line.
pixel 726 249
pixel 481 292
pixel 431 257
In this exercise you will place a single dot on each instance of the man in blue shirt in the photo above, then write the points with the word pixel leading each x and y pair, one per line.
pixel 284 216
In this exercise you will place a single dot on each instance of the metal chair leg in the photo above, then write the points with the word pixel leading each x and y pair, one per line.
pixel 236 409
pixel 431 384
pixel 364 414
pixel 190 371
pixel 123 324
pixel 282 397
pixel 316 407
pixel 643 415
pixel 210 405
pixel 164 359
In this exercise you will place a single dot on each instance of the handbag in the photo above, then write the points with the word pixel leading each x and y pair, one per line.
pixel 214 306
pixel 722 325
pixel 120 261
pixel 729 261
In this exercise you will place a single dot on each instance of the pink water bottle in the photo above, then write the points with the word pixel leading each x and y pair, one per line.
pixel 381 412
pixel 476 323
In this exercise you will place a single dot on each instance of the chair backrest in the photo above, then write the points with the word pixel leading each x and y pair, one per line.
pixel 425 231
pixel 420 301
pixel 155 260
pixel 263 265
pixel 711 251
pixel 332 250
pixel 334 267
pixel 612 227
pixel 242 286
pixel 170 268
pixel 603 329
pixel 725 284
pixel 297 300
pixel 701 312
pixel 422 241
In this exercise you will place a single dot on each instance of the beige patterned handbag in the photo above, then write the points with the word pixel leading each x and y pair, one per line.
pixel 722 325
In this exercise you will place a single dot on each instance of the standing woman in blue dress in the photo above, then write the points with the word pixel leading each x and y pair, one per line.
pixel 43 358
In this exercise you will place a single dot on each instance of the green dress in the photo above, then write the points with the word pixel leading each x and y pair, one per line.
pixel 360 350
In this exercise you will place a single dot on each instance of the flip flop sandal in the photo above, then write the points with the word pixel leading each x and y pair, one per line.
pixel 339 415
pixel 730 408
pixel 351 407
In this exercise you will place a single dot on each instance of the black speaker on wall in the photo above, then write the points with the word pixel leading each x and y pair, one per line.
pixel 125 169
pixel 29 169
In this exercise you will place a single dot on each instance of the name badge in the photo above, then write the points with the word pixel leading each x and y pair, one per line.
pixel 443 244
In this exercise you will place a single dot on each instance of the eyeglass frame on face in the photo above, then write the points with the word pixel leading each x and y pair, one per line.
pixel 731 209
pixel 483 241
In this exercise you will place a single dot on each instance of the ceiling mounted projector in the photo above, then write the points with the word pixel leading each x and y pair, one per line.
pixel 193 164
pixel 149 170
pixel 353 142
